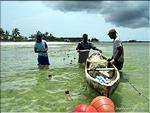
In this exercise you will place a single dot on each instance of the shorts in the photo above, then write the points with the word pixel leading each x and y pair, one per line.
pixel 82 57
pixel 43 60
pixel 119 65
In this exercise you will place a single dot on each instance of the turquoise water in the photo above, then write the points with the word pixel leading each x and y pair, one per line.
pixel 25 88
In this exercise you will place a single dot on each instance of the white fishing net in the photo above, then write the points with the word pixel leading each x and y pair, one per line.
pixel 97 61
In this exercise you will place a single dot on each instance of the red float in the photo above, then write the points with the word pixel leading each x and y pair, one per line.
pixel 84 108
pixel 103 104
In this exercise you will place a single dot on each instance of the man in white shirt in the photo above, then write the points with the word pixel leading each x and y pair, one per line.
pixel 118 53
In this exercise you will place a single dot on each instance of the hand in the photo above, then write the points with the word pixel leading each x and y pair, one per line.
pixel 43 51
pixel 114 62
pixel 100 51
pixel 46 49
pixel 109 59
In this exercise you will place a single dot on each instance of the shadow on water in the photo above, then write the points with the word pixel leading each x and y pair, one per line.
pixel 124 93
pixel 116 96
pixel 117 100
pixel 81 66
pixel 123 77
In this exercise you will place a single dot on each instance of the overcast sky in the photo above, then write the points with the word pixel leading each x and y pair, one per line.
pixel 73 18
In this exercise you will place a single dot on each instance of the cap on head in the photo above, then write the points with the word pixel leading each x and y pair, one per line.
pixel 111 31
pixel 84 36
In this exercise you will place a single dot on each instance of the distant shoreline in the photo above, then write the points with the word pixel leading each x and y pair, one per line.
pixel 136 41
pixel 4 43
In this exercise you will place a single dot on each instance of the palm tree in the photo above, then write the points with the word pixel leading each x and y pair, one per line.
pixel 32 37
pixel 2 33
pixel 46 33
pixel 16 35
pixel 45 36
pixel 25 38
pixel 6 37
pixel 15 32
pixel 52 38
pixel 94 40
pixel 50 35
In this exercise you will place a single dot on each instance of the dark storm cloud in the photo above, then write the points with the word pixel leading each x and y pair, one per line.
pixel 131 14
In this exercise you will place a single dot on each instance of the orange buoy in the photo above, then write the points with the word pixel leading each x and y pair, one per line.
pixel 103 104
pixel 84 108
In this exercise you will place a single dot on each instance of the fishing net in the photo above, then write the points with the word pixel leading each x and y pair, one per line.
pixel 97 61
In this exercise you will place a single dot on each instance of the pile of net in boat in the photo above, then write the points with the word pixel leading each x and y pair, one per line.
pixel 97 61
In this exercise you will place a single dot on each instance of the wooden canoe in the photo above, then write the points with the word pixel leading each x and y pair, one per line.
pixel 103 76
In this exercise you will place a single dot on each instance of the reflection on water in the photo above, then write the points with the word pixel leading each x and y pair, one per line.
pixel 24 88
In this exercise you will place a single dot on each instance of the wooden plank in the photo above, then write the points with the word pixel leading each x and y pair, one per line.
pixel 101 69
pixel 104 69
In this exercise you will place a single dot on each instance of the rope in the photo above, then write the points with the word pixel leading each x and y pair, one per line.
pixel 140 94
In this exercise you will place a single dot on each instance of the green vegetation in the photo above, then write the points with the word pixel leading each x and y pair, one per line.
pixel 14 36
pixel 94 40
pixel 17 37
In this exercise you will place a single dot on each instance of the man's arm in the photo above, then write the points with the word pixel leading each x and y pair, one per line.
pixel 78 46
pixel 94 48
pixel 35 50
pixel 46 47
pixel 109 59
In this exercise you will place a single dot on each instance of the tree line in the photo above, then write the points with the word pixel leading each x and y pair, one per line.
pixel 15 36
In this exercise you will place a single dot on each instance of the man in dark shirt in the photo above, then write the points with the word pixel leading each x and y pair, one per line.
pixel 83 49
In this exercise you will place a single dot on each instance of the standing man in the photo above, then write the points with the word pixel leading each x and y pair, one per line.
pixel 83 48
pixel 118 53
pixel 41 48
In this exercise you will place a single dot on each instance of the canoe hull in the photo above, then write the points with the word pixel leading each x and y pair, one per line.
pixel 103 89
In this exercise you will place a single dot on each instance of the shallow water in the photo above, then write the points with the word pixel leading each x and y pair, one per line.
pixel 24 88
